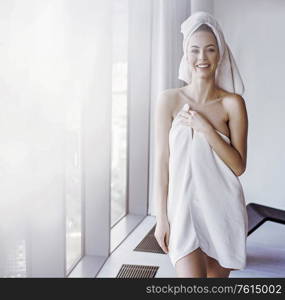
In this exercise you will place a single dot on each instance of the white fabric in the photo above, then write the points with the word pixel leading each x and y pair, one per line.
pixel 227 73
pixel 206 206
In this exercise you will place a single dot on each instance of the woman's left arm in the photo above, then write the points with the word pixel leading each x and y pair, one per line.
pixel 234 154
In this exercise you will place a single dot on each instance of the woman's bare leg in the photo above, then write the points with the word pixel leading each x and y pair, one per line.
pixel 215 270
pixel 192 265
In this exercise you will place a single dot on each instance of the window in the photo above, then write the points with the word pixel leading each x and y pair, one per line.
pixel 73 195
pixel 13 259
pixel 119 111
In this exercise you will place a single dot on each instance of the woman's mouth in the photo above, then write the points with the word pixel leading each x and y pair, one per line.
pixel 203 66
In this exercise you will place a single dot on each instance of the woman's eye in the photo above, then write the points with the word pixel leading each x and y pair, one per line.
pixel 194 51
pixel 211 49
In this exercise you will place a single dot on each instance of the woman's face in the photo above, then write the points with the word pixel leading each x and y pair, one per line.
pixel 203 54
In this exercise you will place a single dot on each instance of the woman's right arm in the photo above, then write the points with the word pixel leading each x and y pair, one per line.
pixel 162 125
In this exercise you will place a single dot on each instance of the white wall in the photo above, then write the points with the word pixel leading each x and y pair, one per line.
pixel 202 5
pixel 255 32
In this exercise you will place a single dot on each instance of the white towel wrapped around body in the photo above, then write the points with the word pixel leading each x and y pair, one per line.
pixel 206 206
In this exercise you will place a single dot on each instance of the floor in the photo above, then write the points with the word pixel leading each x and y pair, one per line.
pixel 265 253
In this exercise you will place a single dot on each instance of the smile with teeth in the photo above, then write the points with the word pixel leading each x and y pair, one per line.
pixel 203 66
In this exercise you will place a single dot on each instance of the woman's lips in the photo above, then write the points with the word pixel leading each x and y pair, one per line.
pixel 203 66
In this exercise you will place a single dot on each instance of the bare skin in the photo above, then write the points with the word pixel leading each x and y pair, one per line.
pixel 211 109
pixel 198 264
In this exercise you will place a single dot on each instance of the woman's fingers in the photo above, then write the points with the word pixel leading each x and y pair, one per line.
pixel 186 118
pixel 162 245
pixel 186 107
pixel 167 240
pixel 184 114
pixel 161 241
pixel 186 121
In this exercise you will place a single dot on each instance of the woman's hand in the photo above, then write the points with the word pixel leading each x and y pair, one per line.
pixel 195 120
pixel 161 234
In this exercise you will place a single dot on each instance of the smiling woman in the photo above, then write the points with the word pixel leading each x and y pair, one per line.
pixel 201 212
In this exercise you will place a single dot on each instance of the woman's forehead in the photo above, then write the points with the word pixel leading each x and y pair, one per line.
pixel 202 38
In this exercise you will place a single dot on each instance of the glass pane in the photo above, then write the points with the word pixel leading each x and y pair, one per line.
pixel 119 110
pixel 73 186
pixel 13 259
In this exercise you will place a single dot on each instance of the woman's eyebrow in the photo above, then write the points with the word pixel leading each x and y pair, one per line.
pixel 205 46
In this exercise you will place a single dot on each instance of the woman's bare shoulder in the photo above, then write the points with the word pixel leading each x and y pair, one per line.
pixel 168 99
pixel 232 102
pixel 170 94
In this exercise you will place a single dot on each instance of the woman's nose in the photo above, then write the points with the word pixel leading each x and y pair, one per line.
pixel 202 55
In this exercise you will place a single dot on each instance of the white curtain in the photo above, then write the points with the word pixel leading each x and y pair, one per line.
pixel 166 55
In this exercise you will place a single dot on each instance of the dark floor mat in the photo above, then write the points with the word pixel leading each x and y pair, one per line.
pixel 149 244
pixel 137 271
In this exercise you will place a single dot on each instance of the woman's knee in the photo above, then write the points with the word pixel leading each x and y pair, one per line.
pixel 192 265
pixel 215 270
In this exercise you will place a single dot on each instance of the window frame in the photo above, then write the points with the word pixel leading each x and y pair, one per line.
pixel 97 230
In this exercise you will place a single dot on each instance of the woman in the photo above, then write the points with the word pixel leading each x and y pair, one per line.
pixel 200 150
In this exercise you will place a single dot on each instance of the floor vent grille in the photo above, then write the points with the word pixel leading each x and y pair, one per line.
pixel 137 271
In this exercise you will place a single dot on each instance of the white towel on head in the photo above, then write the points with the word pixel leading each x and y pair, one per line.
pixel 227 74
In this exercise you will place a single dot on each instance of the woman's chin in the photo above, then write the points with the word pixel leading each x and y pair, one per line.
pixel 205 75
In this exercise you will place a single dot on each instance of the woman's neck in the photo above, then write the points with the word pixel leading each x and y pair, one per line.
pixel 201 89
